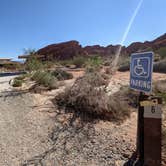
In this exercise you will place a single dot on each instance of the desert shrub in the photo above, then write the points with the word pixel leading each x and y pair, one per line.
pixel 17 83
pixel 128 95
pixel 45 78
pixel 29 51
pixel 90 97
pixel 37 75
pixel 90 69
pixel 124 60
pixel 160 67
pixel 160 86
pixel 79 61
pixel 107 62
pixel 124 63
pixel 65 62
pixel 157 57
pixel 62 74
pixel 94 79
pixel 159 89
pixel 124 68
pixel 118 108
pixel 22 77
pixel 94 62
pixel 33 64
pixel 49 64
pixel 162 52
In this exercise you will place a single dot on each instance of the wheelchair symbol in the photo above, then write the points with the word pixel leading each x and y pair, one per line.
pixel 139 69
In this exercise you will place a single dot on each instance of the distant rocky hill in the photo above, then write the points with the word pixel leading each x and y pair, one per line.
pixel 61 51
pixel 148 45
pixel 70 49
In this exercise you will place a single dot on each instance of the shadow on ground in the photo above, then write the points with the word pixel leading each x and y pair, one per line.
pixel 14 93
pixel 69 125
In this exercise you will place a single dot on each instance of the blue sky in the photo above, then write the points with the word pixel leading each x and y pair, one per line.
pixel 37 23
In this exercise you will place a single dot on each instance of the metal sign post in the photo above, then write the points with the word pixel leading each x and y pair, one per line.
pixel 149 113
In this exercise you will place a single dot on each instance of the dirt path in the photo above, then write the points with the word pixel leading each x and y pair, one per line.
pixel 24 130
pixel 89 143
pixel 79 140
pixel 26 121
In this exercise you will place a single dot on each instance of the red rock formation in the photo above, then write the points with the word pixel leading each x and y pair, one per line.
pixel 61 51
pixel 68 50
pixel 103 51
pixel 148 45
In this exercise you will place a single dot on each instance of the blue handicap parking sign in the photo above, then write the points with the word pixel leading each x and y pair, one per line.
pixel 141 68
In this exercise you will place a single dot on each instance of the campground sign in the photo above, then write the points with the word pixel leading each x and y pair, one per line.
pixel 141 69
pixel 149 111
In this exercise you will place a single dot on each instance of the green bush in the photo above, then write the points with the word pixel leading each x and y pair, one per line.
pixel 45 78
pixel 162 52
pixel 33 64
pixel 124 60
pixel 17 83
pixel 61 74
pixel 65 62
pixel 22 77
pixel 79 61
pixel 157 57
pixel 49 64
pixel 94 62
pixel 159 89
pixel 37 75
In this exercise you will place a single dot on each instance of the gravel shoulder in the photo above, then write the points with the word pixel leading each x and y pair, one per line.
pixel 34 132
pixel 24 130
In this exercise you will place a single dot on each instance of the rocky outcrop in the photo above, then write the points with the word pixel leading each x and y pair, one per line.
pixel 61 51
pixel 109 50
pixel 147 45
pixel 70 49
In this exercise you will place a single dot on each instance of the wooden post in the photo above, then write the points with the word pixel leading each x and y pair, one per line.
pixel 140 129
pixel 152 133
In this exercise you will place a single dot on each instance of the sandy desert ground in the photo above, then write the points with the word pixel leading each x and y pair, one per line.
pixel 33 131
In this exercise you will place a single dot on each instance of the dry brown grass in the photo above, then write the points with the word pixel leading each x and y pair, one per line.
pixel 160 89
pixel 61 74
pixel 160 86
pixel 88 95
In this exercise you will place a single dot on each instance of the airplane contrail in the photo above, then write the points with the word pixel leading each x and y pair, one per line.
pixel 115 62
